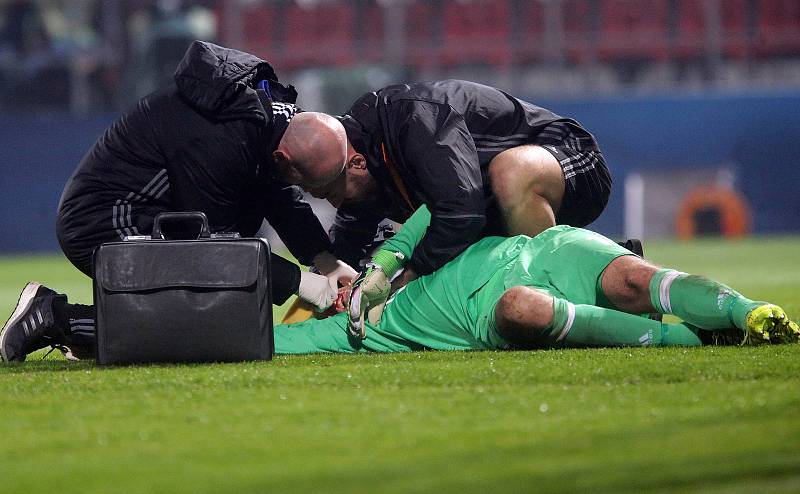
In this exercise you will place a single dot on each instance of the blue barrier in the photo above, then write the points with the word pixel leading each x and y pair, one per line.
pixel 759 135
pixel 39 153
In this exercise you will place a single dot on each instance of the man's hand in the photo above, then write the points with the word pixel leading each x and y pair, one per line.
pixel 317 290
pixel 340 272
pixel 367 300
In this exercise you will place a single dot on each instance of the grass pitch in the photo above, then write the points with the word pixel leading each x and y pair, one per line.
pixel 608 420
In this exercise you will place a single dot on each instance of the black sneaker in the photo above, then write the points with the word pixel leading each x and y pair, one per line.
pixel 31 325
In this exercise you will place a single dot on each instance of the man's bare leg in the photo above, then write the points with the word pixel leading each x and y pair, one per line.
pixel 529 186
pixel 626 284
pixel 523 315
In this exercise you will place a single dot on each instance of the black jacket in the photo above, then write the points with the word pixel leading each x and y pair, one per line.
pixel 214 133
pixel 440 137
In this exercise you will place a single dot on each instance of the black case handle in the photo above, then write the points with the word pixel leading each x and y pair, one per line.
pixel 183 218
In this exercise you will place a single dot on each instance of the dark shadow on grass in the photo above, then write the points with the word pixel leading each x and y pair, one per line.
pixel 57 365
pixel 325 359
pixel 45 366
pixel 82 365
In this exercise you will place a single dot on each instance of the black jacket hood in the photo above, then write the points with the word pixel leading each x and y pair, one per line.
pixel 220 82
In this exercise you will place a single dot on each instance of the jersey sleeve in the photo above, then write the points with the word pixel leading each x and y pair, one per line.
pixel 436 146
pixel 410 235
pixel 295 222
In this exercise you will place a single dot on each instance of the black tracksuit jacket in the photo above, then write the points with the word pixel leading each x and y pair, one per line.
pixel 440 137
pixel 213 133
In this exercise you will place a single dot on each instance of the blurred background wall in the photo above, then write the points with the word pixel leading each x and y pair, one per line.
pixel 695 103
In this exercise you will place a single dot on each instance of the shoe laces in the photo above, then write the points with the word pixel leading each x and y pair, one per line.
pixel 56 345
pixel 64 349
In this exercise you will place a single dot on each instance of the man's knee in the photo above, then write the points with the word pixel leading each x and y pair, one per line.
pixel 522 315
pixel 626 283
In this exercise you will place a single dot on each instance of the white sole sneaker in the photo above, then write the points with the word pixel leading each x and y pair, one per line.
pixel 23 304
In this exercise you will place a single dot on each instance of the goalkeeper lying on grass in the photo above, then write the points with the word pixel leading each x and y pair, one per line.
pixel 566 287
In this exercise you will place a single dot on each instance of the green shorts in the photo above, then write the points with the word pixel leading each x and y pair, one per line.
pixel 453 308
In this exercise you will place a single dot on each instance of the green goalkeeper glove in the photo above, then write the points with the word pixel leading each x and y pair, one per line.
pixel 371 290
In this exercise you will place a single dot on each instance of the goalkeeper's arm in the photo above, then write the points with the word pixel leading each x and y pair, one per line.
pixel 410 234
pixel 373 286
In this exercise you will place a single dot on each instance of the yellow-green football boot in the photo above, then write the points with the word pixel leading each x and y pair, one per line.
pixel 769 323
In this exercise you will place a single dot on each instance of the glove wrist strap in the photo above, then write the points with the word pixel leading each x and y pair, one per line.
pixel 389 262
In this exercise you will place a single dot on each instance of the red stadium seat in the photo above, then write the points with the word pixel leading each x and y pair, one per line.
pixel 422 33
pixel 690 35
pixel 690 32
pixel 735 30
pixel 778 27
pixel 319 35
pixel 370 40
pixel 531 32
pixel 258 31
pixel 579 21
pixel 477 31
pixel 252 30
pixel 633 29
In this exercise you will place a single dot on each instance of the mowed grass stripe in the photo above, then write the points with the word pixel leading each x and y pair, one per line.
pixel 640 418
pixel 604 420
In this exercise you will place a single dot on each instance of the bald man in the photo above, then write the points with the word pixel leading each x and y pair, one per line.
pixel 216 141
pixel 311 150
pixel 483 161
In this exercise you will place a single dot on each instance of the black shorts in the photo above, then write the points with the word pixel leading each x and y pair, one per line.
pixel 586 176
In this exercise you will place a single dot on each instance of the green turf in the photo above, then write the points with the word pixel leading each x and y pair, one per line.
pixel 611 420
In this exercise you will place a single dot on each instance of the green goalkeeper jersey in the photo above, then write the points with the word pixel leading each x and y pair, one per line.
pixel 453 308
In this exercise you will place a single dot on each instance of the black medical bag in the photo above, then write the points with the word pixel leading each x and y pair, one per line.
pixel 161 299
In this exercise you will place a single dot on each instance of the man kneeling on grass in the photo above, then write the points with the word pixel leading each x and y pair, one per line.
pixel 566 287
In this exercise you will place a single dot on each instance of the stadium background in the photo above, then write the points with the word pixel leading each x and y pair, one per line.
pixel 680 93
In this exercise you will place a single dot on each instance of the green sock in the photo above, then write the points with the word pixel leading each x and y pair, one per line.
pixel 589 325
pixel 699 301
